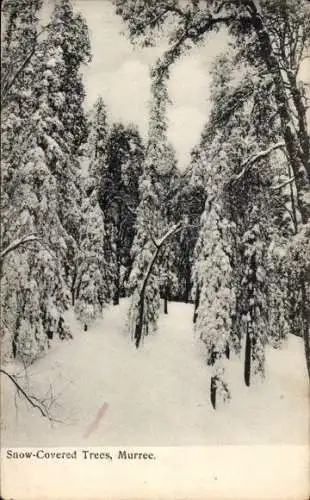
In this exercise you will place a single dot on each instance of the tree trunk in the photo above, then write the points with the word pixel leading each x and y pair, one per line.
pixel 306 322
pixel 166 293
pixel 20 308
pixel 116 296
pixel 188 287
pixel 73 285
pixel 297 147
pixel 139 322
pixel 197 299
pixel 213 392
pixel 302 120
pixel 188 283
pixel 293 203
pixel 118 244
pixel 248 355
pixel 227 351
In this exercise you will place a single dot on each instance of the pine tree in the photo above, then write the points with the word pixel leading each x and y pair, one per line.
pixel 189 200
pixel 118 197
pixel 273 38
pixel 93 279
pixel 240 189
pixel 34 292
pixel 142 251
pixel 91 286
pixel 64 127
pixel 29 275
pixel 217 296
pixel 96 147
pixel 152 264
pixel 20 36
pixel 39 181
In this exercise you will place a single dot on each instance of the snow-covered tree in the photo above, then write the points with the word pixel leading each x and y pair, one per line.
pixel 189 200
pixel 217 295
pixel 118 198
pixel 20 38
pixel 91 289
pixel 155 214
pixel 278 298
pixel 61 118
pixel 93 278
pixel 239 183
pixel 33 289
pixel 96 146
pixel 142 251
pixel 273 38
pixel 297 264
pixel 41 125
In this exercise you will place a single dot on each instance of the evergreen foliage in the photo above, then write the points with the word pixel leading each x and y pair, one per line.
pixel 270 41
pixel 155 214
pixel 119 198
pixel 43 125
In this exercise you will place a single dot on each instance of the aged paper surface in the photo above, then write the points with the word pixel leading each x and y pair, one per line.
pixel 154 250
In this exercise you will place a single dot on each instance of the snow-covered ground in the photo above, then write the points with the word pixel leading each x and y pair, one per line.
pixel 107 393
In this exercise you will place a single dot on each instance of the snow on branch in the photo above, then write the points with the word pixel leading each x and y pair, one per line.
pixel 159 244
pixel 169 233
pixel 191 32
pixel 154 241
pixel 162 15
pixel 7 85
pixel 283 184
pixel 29 238
pixel 139 324
pixel 32 400
pixel 255 158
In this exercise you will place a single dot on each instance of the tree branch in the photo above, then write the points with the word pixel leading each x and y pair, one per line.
pixel 283 184
pixel 253 159
pixel 139 323
pixel 155 243
pixel 6 88
pixel 191 33
pixel 33 401
pixel 17 243
pixel 161 16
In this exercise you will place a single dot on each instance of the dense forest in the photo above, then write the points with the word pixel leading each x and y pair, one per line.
pixel 93 213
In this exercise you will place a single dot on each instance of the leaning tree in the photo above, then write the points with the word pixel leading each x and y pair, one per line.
pixel 276 35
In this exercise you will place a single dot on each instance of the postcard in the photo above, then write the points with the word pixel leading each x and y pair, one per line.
pixel 155 250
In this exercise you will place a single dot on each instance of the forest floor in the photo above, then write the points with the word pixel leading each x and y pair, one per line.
pixel 107 393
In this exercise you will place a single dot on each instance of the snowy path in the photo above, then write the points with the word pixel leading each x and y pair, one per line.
pixel 110 394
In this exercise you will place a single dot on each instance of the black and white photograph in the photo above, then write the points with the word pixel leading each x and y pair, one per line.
pixel 155 228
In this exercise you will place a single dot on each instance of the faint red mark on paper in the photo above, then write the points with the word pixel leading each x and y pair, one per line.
pixel 93 426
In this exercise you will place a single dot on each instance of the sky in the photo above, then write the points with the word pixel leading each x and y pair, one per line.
pixel 120 74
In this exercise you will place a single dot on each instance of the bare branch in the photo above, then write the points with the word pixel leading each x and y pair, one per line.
pixel 32 400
